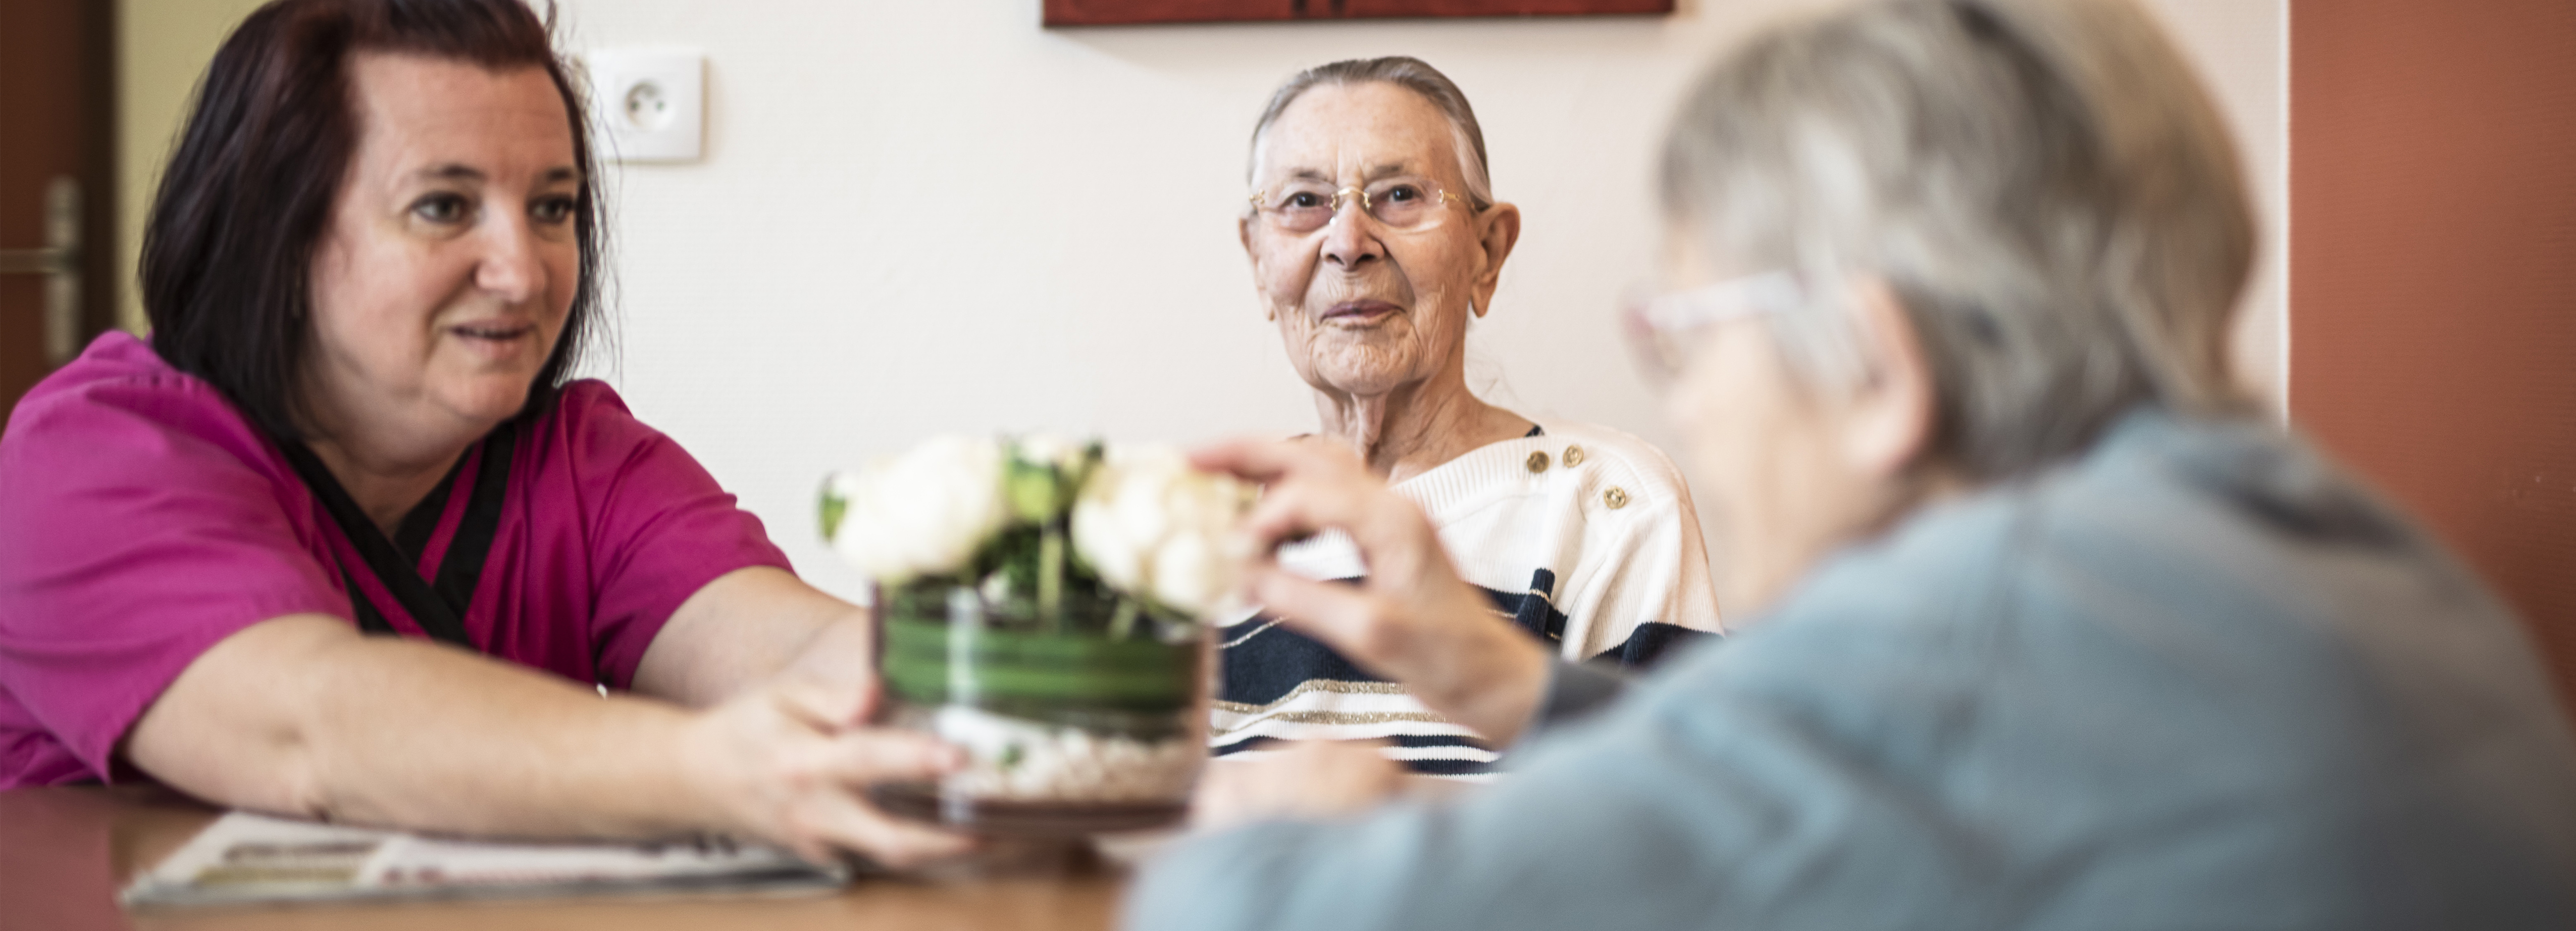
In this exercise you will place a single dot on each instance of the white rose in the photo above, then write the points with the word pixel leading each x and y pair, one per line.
pixel 1050 449
pixel 1037 480
pixel 1154 527
pixel 925 512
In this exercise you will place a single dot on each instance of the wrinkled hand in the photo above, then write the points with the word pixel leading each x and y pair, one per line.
pixel 1310 779
pixel 790 763
pixel 1413 620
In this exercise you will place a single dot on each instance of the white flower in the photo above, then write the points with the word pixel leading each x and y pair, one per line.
pixel 925 512
pixel 1050 449
pixel 1154 527
pixel 1038 480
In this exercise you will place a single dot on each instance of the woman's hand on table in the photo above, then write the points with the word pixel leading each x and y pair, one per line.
pixel 790 762
pixel 1412 619
pixel 782 675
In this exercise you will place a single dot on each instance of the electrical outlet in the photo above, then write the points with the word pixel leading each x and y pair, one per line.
pixel 647 105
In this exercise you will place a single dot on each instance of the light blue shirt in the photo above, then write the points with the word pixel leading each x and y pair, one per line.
pixel 2192 679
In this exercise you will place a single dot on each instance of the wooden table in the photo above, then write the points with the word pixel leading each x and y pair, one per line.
pixel 64 853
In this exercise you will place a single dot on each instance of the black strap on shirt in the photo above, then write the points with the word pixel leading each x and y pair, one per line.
pixel 369 619
pixel 412 536
pixel 439 609
pixel 462 566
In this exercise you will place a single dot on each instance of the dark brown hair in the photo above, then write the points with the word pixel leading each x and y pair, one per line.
pixel 228 251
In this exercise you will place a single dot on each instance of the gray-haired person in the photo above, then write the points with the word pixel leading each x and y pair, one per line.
pixel 1375 237
pixel 2048 629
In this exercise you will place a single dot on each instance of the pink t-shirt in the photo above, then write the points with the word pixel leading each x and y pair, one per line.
pixel 143 519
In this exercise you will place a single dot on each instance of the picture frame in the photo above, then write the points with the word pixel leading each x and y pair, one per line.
pixel 1140 12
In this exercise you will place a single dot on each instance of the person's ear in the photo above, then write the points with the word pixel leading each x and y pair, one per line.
pixel 1499 228
pixel 1890 418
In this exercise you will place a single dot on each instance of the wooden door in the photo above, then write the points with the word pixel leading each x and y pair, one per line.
pixel 57 181
pixel 2433 275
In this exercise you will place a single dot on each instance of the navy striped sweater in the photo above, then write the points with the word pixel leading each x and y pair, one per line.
pixel 1581 536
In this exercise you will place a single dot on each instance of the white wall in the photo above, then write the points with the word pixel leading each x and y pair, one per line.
pixel 162 46
pixel 923 217
pixel 2243 50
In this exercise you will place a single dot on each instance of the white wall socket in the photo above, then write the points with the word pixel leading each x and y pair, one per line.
pixel 647 105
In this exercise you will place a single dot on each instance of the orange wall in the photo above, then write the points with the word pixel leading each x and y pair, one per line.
pixel 2433 274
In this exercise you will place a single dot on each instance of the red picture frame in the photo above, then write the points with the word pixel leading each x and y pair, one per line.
pixel 1138 12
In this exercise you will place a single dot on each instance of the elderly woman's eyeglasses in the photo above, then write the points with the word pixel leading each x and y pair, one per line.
pixel 1663 328
pixel 1305 205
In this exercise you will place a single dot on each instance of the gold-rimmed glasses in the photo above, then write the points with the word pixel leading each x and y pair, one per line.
pixel 1664 328
pixel 1304 205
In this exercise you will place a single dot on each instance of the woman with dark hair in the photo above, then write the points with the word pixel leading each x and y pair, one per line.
pixel 345 541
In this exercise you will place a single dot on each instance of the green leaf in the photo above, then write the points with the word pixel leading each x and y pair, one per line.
pixel 834 506
pixel 1035 491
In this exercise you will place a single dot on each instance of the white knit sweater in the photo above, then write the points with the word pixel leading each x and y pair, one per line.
pixel 1581 535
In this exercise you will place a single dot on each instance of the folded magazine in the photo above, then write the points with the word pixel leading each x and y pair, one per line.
pixel 245 858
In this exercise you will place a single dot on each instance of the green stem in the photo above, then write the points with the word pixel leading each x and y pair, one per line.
pixel 1123 621
pixel 1051 578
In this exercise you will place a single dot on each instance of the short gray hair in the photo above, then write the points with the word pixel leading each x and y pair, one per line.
pixel 2044 185
pixel 1412 74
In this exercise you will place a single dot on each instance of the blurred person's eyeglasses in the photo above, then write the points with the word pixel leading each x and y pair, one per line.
pixel 1405 204
pixel 1664 328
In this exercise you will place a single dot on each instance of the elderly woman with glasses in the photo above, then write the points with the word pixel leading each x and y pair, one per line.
pixel 1374 237
pixel 2053 632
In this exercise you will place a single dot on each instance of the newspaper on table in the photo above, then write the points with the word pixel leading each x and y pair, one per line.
pixel 245 858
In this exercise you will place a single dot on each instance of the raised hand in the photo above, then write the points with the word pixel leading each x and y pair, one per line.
pixel 1412 620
